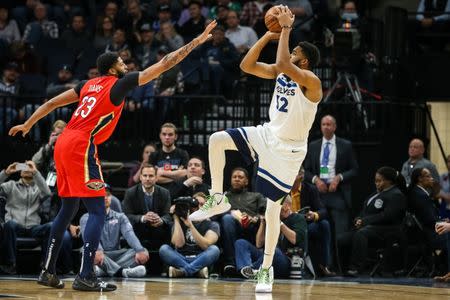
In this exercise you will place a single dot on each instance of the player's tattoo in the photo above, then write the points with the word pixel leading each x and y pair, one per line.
pixel 175 57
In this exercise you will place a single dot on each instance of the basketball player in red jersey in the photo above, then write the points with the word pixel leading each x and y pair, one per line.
pixel 79 176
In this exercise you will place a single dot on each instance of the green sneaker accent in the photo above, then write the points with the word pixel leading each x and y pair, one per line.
pixel 208 204
pixel 263 276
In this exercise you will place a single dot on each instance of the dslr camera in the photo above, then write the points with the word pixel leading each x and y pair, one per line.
pixel 184 205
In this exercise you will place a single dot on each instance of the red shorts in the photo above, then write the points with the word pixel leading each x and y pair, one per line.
pixel 78 171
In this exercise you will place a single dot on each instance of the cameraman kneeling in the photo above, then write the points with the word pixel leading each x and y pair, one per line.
pixel 193 248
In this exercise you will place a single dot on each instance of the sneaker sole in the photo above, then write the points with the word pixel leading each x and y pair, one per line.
pixel 263 290
pixel 85 288
pixel 43 283
pixel 221 209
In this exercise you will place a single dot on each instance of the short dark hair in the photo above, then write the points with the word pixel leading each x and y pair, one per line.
pixel 394 176
pixel 242 170
pixel 148 166
pixel 200 159
pixel 195 2
pixel 106 61
pixel 169 125
pixel 311 52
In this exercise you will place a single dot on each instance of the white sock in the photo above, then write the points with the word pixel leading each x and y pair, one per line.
pixel 218 143
pixel 272 216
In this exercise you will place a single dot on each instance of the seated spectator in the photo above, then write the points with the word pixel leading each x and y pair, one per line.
pixel 196 23
pixel 146 49
pixel 433 16
pixel 444 209
pixel 9 88
pixel 164 16
pixel 134 18
pixel 139 96
pixel 186 15
pixel 125 55
pixel 77 36
pixel 303 19
pixel 175 7
pixel 147 207
pixel 9 31
pixel 111 9
pixel 110 258
pixel 193 247
pixel 242 37
pixel 443 228
pixel 92 73
pixel 416 160
pixel 104 33
pixel 119 41
pixel 193 182
pixel 252 12
pixel 382 214
pixel 242 220
pixel 214 11
pixel 422 205
pixel 293 233
pixel 41 28
pixel 115 204
pixel 306 195
pixel 168 37
pixel 170 160
pixel 135 172
pixel 65 82
pixel 23 199
pixel 222 14
pixel 223 61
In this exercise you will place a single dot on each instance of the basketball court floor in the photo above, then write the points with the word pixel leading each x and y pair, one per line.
pixel 202 289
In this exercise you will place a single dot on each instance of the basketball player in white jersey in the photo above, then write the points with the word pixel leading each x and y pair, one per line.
pixel 279 146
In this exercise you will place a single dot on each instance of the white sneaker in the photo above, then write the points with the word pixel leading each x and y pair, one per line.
pixel 98 271
pixel 136 272
pixel 265 280
pixel 215 205
pixel 203 273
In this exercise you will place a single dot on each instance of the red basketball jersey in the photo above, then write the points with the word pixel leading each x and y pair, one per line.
pixel 96 114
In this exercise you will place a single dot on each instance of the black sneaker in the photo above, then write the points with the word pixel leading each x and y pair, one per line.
pixel 8 269
pixel 92 284
pixel 51 280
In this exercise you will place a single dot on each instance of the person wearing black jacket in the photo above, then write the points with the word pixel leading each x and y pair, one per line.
pixel 382 214
pixel 193 182
pixel 147 206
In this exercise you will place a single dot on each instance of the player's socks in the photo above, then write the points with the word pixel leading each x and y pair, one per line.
pixel 218 143
pixel 69 208
pixel 92 233
pixel 272 217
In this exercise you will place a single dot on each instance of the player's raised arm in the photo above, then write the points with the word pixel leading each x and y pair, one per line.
pixel 303 76
pixel 250 62
pixel 174 57
pixel 65 98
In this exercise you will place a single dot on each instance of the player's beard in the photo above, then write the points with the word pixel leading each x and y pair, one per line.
pixel 120 74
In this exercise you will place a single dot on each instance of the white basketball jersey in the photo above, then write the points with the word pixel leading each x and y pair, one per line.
pixel 291 113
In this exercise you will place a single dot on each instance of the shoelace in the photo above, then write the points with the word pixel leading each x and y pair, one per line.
pixel 263 276
pixel 208 204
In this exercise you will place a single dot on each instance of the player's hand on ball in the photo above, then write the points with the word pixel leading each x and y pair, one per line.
pixel 19 128
pixel 285 17
pixel 273 35
pixel 207 33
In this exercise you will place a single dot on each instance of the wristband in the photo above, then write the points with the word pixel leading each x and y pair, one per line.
pixel 286 26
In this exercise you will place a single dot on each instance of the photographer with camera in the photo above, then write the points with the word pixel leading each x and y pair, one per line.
pixel 193 247
pixel 22 204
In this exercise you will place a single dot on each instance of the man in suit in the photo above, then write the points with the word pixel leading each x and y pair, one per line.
pixel 331 165
pixel 147 207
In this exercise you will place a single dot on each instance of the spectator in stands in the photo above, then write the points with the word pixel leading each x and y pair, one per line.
pixel 194 248
pixel 196 23
pixel 170 82
pixel 77 37
pixel 214 11
pixel 147 207
pixel 23 199
pixel 110 258
pixel 193 183
pixel 331 166
pixel 174 5
pixel 293 234
pixel 242 37
pixel 141 95
pixel 416 160
pixel 41 28
pixel 168 37
pixel 252 12
pixel 111 9
pixel 443 228
pixel 125 54
pixel 303 18
pixel 242 220
pixel 170 160
pixel 423 206
pixel 145 51
pixel 92 73
pixel 164 16
pixel 119 41
pixel 223 61
pixel 65 82
pixel 306 196
pixel 135 171
pixel 104 33
pixel 381 216
pixel 433 15
pixel 134 18
pixel 444 209
pixel 9 31
pixel 186 14
pixel 9 88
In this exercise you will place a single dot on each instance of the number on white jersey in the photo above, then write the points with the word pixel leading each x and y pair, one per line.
pixel 86 107
pixel 282 104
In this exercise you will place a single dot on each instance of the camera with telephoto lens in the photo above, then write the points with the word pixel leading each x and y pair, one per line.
pixel 183 205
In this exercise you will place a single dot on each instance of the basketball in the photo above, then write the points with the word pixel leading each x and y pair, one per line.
pixel 271 20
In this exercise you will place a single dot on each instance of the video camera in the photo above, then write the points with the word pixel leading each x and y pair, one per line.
pixel 183 205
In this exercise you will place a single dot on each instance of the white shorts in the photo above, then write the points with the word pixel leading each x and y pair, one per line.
pixel 278 160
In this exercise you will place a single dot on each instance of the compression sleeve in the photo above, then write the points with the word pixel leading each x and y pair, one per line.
pixel 79 86
pixel 122 86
